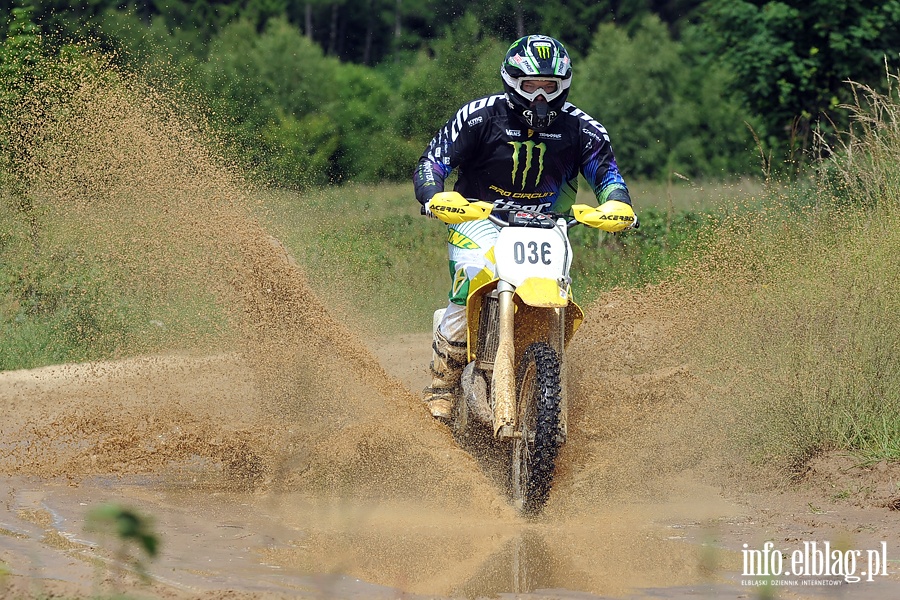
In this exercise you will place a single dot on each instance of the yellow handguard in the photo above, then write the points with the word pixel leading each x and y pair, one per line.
pixel 611 216
pixel 452 208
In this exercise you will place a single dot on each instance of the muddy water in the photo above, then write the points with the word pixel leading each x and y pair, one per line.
pixel 173 441
pixel 284 454
pixel 292 542
pixel 296 543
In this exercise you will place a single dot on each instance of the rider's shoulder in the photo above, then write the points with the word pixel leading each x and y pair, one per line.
pixel 586 122
pixel 475 115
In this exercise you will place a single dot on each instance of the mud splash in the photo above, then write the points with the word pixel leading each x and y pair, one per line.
pixel 274 449
pixel 118 176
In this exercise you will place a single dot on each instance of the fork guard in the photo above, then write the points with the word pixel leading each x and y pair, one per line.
pixel 474 392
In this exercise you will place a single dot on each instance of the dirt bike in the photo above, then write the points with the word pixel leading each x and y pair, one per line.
pixel 519 324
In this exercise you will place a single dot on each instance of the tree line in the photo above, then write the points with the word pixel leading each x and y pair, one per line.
pixel 326 91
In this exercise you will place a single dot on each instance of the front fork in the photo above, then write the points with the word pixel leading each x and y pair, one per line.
pixel 558 341
pixel 503 380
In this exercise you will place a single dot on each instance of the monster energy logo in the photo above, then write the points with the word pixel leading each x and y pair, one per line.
pixel 543 50
pixel 530 148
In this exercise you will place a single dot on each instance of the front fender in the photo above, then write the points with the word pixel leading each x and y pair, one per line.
pixel 543 292
pixel 532 323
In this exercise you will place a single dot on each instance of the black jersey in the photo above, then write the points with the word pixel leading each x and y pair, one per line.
pixel 499 160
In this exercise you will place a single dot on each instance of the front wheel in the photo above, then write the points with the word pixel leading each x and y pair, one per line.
pixel 537 442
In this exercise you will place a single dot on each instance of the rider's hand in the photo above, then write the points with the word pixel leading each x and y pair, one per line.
pixel 426 210
pixel 634 224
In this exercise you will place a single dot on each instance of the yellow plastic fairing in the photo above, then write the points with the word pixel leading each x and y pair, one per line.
pixel 452 208
pixel 543 292
pixel 611 216
pixel 483 277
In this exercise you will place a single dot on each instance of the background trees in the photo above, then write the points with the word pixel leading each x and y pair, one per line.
pixel 791 59
pixel 316 91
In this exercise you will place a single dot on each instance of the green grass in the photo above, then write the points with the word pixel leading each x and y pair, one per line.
pixel 366 251
pixel 371 256
pixel 680 194
pixel 798 307
pixel 71 294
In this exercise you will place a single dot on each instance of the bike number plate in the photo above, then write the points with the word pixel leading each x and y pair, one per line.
pixel 523 252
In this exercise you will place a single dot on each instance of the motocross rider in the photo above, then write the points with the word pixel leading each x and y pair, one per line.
pixel 522 148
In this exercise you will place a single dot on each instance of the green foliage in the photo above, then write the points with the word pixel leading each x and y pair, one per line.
pixel 130 529
pixel 19 54
pixel 301 118
pixel 298 116
pixel 125 524
pixel 299 151
pixel 21 49
pixel 364 106
pixel 361 31
pixel 252 76
pixel 151 43
pixel 790 60
pixel 666 111
pixel 465 66
pixel 269 89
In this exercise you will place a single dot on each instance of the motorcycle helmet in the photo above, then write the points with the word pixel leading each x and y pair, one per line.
pixel 536 58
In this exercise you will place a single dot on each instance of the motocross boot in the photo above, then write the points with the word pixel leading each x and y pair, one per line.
pixel 447 362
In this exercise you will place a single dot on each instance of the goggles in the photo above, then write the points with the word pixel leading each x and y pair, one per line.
pixel 547 87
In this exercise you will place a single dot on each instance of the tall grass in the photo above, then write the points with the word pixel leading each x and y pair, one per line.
pixel 799 304
pixel 375 260
pixel 95 191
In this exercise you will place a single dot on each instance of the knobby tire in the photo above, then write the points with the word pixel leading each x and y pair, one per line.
pixel 538 392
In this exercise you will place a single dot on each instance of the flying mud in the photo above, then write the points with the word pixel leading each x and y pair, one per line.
pixel 278 453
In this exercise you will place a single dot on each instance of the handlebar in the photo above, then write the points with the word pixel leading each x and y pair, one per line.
pixel 570 220
pixel 500 222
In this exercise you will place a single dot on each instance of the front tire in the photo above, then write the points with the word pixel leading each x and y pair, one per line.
pixel 534 450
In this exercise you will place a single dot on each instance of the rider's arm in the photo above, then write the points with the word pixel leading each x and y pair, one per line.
pixel 454 145
pixel 598 165
pixel 428 179
pixel 433 167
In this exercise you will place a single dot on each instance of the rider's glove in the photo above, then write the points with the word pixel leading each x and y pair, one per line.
pixel 426 210
pixel 634 224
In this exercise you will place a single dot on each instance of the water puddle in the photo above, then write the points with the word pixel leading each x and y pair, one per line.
pixel 343 547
